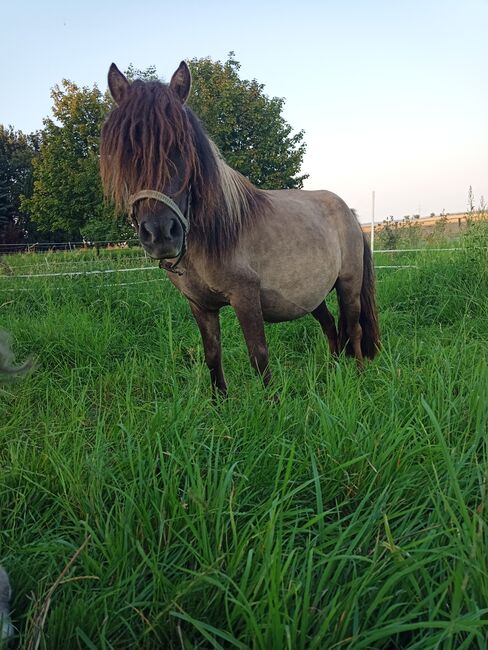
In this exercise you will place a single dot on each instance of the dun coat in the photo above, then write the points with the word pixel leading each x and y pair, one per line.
pixel 271 255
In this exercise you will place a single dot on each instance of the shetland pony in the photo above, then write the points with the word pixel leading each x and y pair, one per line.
pixel 273 255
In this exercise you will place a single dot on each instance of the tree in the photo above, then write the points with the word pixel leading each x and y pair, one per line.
pixel 67 189
pixel 149 74
pixel 16 154
pixel 246 124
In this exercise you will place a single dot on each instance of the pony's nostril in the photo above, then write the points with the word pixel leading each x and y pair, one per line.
pixel 148 232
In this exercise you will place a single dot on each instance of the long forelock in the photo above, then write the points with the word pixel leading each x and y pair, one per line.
pixel 139 141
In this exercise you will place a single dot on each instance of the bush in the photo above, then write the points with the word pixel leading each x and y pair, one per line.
pixel 396 234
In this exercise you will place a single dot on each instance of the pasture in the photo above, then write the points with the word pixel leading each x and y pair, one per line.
pixel 137 513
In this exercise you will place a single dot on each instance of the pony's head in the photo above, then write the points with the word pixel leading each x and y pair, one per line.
pixel 147 146
pixel 156 159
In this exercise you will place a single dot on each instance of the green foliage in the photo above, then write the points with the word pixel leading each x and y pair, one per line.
pixel 149 74
pixel 476 236
pixel 350 514
pixel 388 234
pixel 440 228
pixel 107 229
pixel 246 124
pixel 475 239
pixel 16 154
pixel 67 187
pixel 406 231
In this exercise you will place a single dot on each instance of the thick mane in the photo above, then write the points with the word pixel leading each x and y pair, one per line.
pixel 150 139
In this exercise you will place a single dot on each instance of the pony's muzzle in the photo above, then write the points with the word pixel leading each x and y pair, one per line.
pixel 162 237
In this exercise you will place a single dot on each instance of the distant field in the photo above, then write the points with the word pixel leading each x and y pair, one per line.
pixel 351 514
pixel 451 224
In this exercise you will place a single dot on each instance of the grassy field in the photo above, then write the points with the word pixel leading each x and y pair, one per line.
pixel 135 513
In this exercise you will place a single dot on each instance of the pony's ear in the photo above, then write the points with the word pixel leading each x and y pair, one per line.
pixel 117 84
pixel 181 82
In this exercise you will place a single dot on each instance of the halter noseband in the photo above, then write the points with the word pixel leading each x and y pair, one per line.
pixel 184 219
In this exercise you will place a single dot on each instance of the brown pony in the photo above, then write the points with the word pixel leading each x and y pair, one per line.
pixel 272 255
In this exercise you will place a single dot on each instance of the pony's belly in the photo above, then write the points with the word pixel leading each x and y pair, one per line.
pixel 277 307
pixel 290 290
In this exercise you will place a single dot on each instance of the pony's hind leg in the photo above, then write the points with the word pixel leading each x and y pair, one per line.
pixel 327 323
pixel 350 331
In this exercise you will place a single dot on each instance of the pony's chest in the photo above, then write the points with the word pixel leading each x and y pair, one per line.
pixel 199 292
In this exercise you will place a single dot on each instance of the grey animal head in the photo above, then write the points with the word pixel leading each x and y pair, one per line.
pixel 7 369
pixel 6 627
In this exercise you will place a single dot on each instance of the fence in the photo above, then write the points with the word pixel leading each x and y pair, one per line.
pixel 53 268
pixel 44 247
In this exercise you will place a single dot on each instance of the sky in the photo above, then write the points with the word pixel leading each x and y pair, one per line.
pixel 392 95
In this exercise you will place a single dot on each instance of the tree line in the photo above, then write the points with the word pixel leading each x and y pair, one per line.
pixel 50 187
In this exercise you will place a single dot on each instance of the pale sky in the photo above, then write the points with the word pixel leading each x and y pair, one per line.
pixel 392 95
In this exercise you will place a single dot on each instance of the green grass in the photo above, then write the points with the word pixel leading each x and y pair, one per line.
pixel 351 514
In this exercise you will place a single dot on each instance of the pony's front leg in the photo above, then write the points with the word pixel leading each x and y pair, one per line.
pixel 247 307
pixel 209 326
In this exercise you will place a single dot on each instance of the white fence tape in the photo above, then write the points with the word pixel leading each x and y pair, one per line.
pixel 77 273
pixel 408 266
pixel 58 288
pixel 66 263
pixel 417 250
pixel 68 245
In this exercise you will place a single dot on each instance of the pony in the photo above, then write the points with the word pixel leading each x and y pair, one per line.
pixel 273 255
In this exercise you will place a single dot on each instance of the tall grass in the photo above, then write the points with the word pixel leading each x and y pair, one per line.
pixel 350 514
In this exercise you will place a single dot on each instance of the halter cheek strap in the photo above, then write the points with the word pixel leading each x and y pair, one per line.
pixel 184 219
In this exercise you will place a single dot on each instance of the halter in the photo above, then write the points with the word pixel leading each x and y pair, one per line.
pixel 184 219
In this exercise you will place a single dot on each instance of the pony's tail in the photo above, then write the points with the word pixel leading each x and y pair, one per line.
pixel 368 319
